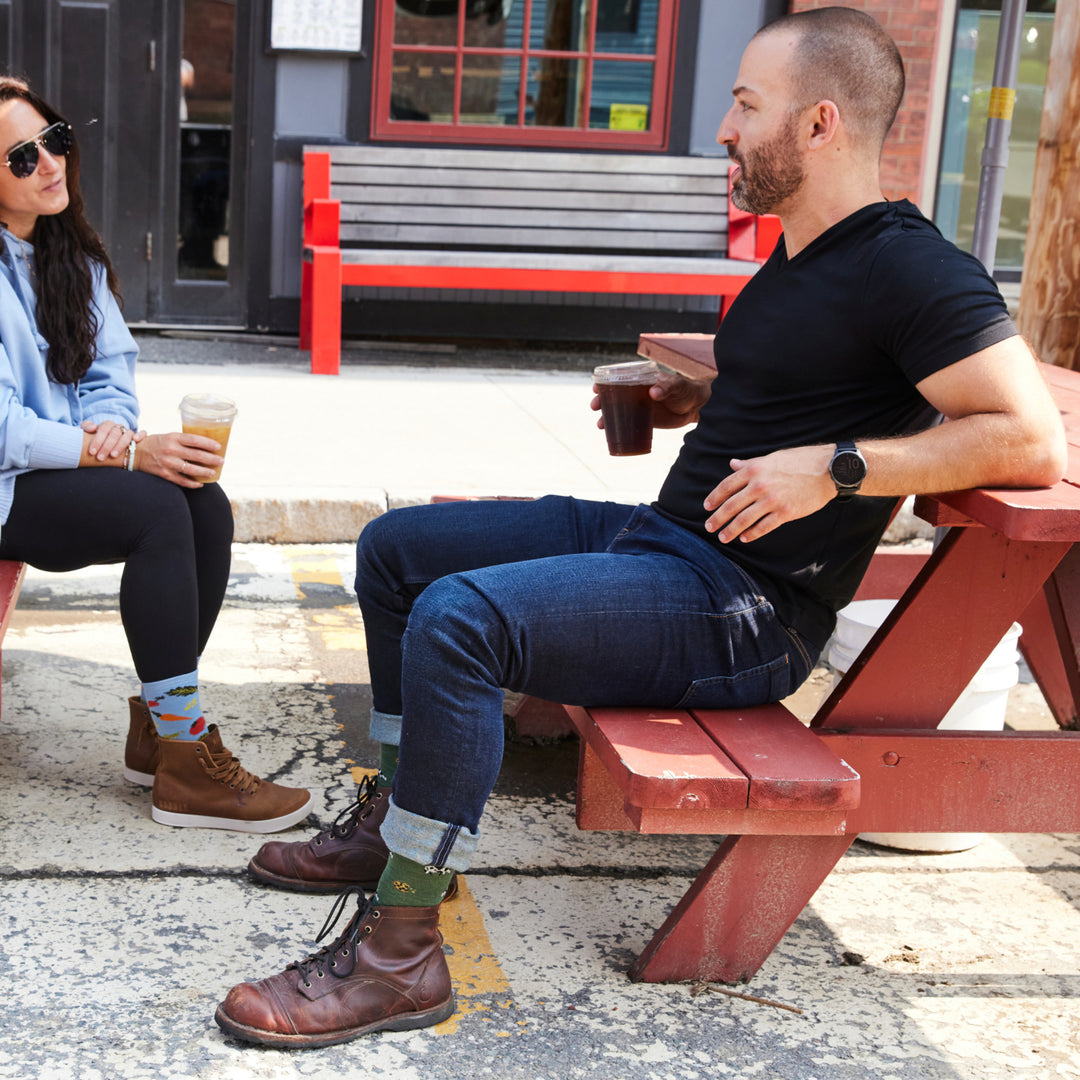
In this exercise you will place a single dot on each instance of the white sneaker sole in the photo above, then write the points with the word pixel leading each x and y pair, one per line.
pixel 201 821
pixel 143 779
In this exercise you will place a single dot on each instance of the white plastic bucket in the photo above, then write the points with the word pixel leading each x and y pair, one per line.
pixel 981 707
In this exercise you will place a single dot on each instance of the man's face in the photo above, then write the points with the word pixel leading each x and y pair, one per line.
pixel 760 130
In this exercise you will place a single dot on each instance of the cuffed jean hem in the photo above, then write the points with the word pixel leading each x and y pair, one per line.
pixel 385 728
pixel 427 842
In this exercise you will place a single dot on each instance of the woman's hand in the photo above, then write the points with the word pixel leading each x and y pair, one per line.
pixel 109 439
pixel 187 460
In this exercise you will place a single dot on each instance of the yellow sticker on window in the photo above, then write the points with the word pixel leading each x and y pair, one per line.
pixel 628 117
pixel 1002 100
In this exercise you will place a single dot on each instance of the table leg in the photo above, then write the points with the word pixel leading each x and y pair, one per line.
pixel 942 630
pixel 738 908
pixel 1051 641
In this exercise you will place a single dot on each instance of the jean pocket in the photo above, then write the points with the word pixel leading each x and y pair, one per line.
pixel 755 686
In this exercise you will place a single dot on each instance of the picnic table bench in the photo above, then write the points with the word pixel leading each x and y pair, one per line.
pixel 789 798
pixel 11 578
pixel 449 218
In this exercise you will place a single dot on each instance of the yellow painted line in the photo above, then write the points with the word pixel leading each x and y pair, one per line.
pixel 479 983
pixel 340 627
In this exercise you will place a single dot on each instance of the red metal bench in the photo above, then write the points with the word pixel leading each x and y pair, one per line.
pixel 11 578
pixel 448 218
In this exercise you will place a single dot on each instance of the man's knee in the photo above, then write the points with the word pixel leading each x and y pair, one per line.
pixel 452 614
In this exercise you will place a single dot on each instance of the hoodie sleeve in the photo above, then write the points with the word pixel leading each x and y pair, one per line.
pixel 107 390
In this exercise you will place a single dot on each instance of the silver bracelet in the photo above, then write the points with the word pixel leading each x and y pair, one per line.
pixel 130 464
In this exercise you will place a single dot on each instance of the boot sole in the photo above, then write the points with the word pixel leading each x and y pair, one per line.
pixel 265 877
pixel 401 1022
pixel 201 821
pixel 143 779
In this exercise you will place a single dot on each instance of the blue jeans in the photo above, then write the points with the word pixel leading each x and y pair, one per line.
pixel 578 602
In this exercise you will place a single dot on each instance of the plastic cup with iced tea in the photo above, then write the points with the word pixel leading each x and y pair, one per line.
pixel 210 415
pixel 626 406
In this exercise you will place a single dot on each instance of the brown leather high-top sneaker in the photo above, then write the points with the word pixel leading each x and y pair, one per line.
pixel 141 755
pixel 350 852
pixel 386 972
pixel 202 784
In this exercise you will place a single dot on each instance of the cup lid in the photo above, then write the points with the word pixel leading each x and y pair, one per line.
pixel 633 371
pixel 208 407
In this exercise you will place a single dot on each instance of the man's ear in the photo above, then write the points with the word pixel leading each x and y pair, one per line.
pixel 824 122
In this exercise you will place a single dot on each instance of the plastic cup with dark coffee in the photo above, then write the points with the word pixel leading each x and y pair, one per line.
pixel 626 406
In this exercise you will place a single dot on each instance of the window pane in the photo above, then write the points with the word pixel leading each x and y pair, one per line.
pixel 626 26
pixel 965 129
pixel 494 24
pixel 560 24
pixel 621 95
pixel 489 90
pixel 422 87
pixel 554 92
pixel 425 22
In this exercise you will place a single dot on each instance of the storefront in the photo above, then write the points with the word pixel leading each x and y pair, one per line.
pixel 192 116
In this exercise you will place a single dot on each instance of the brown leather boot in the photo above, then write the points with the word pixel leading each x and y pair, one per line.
pixel 350 852
pixel 141 755
pixel 386 972
pixel 201 784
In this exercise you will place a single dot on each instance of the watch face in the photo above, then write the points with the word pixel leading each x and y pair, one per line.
pixel 848 469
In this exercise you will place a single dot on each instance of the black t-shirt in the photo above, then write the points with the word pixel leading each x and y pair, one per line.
pixel 826 346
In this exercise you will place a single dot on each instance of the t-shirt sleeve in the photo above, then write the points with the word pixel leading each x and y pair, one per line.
pixel 933 304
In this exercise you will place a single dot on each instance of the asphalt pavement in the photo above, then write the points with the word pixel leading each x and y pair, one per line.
pixel 120 936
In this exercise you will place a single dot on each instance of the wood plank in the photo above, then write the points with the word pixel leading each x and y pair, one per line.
pixel 11 579
pixel 540 238
pixel 411 177
pixel 662 758
pixel 789 767
pixel 690 354
pixel 609 262
pixel 598 223
pixel 406 198
pixel 963 781
pixel 1050 514
pixel 512 160
pixel 890 573
pixel 706 283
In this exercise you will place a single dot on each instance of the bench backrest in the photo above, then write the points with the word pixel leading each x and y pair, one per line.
pixel 491 200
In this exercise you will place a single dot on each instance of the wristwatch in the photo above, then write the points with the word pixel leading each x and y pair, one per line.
pixel 847 469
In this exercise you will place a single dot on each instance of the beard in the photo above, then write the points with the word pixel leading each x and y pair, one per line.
pixel 771 173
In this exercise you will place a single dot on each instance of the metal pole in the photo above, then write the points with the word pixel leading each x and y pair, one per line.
pixel 995 156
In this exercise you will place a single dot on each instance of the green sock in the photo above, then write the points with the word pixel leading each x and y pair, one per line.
pixel 405 883
pixel 388 756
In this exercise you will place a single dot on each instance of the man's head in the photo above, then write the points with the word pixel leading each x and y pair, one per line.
pixel 824 77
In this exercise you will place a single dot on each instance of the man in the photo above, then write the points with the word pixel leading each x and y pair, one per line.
pixel 832 368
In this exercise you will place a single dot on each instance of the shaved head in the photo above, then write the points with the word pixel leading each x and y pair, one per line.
pixel 844 56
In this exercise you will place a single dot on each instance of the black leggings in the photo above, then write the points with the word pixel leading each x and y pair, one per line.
pixel 175 544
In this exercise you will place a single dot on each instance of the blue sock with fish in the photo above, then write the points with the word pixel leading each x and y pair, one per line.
pixel 174 706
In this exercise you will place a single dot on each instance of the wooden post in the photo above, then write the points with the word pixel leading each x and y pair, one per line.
pixel 1049 314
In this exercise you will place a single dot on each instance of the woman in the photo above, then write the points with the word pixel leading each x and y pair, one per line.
pixel 80 485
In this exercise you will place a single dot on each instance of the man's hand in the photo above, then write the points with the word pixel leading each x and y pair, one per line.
pixel 676 400
pixel 764 493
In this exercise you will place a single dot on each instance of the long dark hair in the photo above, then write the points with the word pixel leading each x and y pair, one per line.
pixel 65 247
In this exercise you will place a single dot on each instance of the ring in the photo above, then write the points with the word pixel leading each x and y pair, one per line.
pixel 183 468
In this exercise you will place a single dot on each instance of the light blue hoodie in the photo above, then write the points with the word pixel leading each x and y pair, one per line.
pixel 40 419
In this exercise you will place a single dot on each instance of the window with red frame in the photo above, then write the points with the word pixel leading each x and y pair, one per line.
pixel 554 72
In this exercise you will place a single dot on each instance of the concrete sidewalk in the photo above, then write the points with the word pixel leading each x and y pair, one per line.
pixel 121 936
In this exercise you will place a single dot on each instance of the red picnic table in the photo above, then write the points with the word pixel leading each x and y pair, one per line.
pixel 1008 556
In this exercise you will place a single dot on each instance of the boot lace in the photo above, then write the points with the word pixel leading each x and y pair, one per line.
pixel 318 964
pixel 228 770
pixel 348 821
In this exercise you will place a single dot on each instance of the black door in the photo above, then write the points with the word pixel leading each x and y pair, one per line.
pixel 163 166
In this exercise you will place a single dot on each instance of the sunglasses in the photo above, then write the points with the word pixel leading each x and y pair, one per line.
pixel 57 140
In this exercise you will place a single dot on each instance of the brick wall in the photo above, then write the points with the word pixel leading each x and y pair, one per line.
pixel 913 25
